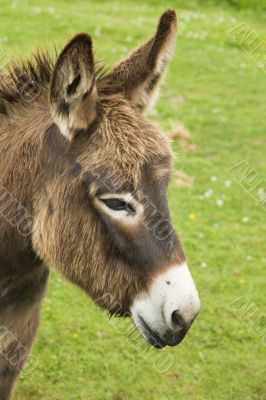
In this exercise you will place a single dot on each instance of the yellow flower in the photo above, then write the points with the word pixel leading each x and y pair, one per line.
pixel 242 281
pixel 192 216
pixel 76 334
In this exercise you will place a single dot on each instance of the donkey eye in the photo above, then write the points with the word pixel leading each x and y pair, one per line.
pixel 119 205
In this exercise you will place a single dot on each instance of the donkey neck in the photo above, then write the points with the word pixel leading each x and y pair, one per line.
pixel 21 140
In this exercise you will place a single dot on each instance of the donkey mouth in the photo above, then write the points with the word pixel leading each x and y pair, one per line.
pixel 170 338
pixel 151 337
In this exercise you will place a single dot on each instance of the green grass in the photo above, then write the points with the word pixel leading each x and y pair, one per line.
pixel 81 354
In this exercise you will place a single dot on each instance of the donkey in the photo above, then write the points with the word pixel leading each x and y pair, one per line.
pixel 83 190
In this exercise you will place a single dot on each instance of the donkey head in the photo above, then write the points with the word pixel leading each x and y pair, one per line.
pixel 101 215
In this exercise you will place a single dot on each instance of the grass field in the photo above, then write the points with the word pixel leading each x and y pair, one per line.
pixel 216 89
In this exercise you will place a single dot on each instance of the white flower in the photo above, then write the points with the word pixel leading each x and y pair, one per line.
pixel 220 202
pixel 245 219
pixel 228 183
pixel 203 265
pixel 261 194
pixel 97 31
pixel 248 258
pixel 213 178
pixel 51 10
pixel 208 193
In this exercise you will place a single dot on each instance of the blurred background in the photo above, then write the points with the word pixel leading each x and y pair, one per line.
pixel 212 105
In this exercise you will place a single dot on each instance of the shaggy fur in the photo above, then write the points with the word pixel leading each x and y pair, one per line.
pixel 67 135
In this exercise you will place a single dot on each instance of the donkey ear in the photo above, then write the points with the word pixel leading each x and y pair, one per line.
pixel 73 93
pixel 140 74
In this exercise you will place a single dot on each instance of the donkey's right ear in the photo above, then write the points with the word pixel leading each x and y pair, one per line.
pixel 73 93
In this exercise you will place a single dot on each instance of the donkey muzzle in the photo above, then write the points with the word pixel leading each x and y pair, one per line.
pixel 164 314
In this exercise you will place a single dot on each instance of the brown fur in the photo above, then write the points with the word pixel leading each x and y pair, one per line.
pixel 108 148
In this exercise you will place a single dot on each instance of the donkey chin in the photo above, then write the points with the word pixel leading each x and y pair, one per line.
pixel 165 313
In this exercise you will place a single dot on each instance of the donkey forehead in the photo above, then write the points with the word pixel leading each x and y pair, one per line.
pixel 123 148
pixel 150 178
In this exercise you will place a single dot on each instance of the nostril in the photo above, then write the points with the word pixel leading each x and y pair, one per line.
pixel 177 320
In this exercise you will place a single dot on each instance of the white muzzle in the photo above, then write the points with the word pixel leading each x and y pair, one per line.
pixel 164 314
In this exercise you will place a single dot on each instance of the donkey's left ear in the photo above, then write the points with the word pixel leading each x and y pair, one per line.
pixel 139 76
pixel 73 93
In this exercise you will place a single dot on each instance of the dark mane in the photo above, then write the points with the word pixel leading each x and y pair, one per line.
pixel 24 79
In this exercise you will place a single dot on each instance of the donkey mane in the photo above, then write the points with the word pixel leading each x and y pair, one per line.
pixel 34 73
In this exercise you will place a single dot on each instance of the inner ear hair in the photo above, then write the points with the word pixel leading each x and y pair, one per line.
pixel 73 93
pixel 139 76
